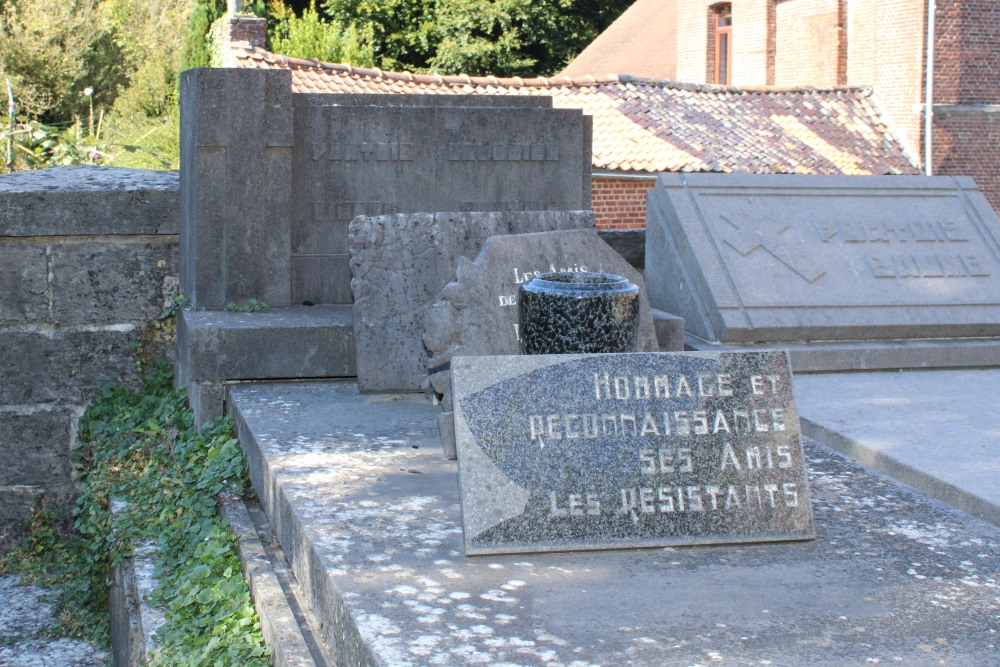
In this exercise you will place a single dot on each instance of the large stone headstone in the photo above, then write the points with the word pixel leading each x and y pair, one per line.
pixel 401 263
pixel 855 262
pixel 270 180
pixel 477 314
pixel 567 452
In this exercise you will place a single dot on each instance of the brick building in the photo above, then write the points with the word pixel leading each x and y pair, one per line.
pixel 643 125
pixel 882 45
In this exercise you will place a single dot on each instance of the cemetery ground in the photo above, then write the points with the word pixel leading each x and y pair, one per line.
pixel 893 576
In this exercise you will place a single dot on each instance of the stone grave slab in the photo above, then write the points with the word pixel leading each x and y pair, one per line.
pixel 400 264
pixel 477 314
pixel 369 516
pixel 764 259
pixel 580 452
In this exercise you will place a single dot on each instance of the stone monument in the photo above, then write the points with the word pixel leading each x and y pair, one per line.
pixel 271 179
pixel 476 315
pixel 847 272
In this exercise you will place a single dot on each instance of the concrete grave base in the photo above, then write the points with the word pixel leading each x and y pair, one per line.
pixel 219 346
pixel 833 356
pixel 367 513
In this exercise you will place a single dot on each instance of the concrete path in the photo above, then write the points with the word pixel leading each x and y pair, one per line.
pixel 938 431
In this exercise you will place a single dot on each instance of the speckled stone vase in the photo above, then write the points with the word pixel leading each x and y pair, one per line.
pixel 574 312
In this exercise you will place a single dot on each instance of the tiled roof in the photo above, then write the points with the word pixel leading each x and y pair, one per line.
pixel 641 125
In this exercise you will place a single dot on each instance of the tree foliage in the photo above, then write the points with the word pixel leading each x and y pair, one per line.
pixel 197 45
pixel 503 37
pixel 399 30
pixel 312 36
pixel 54 50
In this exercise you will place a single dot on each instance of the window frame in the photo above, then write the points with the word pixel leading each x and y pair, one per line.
pixel 721 34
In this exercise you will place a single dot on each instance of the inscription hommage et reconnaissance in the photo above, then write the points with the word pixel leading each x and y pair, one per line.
pixel 639 449
pixel 679 427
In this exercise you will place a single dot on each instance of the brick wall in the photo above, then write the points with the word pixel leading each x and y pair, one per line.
pixel 87 256
pixel 966 84
pixel 967 52
pixel 808 41
pixel 620 203
pixel 965 144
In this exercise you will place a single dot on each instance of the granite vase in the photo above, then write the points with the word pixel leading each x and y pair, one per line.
pixel 578 312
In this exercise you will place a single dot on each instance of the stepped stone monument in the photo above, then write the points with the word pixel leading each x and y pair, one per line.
pixel 270 181
pixel 846 272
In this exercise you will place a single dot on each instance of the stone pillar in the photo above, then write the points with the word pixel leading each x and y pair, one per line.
pixel 236 173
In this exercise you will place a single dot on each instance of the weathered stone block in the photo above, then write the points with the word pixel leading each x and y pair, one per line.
pixel 35 448
pixel 297 342
pixel 83 200
pixel 669 331
pixel 103 356
pixel 384 156
pixel 207 401
pixel 236 129
pixel 104 282
pixel 780 258
pixel 62 366
pixel 401 263
pixel 35 368
pixel 15 509
pixel 23 283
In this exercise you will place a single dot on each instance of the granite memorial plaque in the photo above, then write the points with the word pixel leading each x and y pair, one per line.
pixel 401 263
pixel 577 452
pixel 477 314
pixel 751 259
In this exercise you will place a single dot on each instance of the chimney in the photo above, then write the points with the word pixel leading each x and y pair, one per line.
pixel 238 33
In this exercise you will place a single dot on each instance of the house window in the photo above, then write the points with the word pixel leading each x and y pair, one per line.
pixel 721 32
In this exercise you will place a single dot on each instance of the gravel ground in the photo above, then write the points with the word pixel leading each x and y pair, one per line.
pixel 25 612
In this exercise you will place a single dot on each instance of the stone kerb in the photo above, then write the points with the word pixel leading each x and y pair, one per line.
pixel 400 264
pixel 872 268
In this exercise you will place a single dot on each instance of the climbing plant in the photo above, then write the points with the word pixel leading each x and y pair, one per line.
pixel 150 476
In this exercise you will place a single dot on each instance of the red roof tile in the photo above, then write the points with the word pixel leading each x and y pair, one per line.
pixel 641 125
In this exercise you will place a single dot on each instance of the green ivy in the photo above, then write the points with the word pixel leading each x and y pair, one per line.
pixel 142 449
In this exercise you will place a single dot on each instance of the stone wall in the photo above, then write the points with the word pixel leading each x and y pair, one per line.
pixel 87 256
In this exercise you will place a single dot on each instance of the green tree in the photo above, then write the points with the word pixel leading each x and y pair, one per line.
pixel 143 123
pixel 516 37
pixel 503 37
pixel 400 31
pixel 52 51
pixel 311 36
